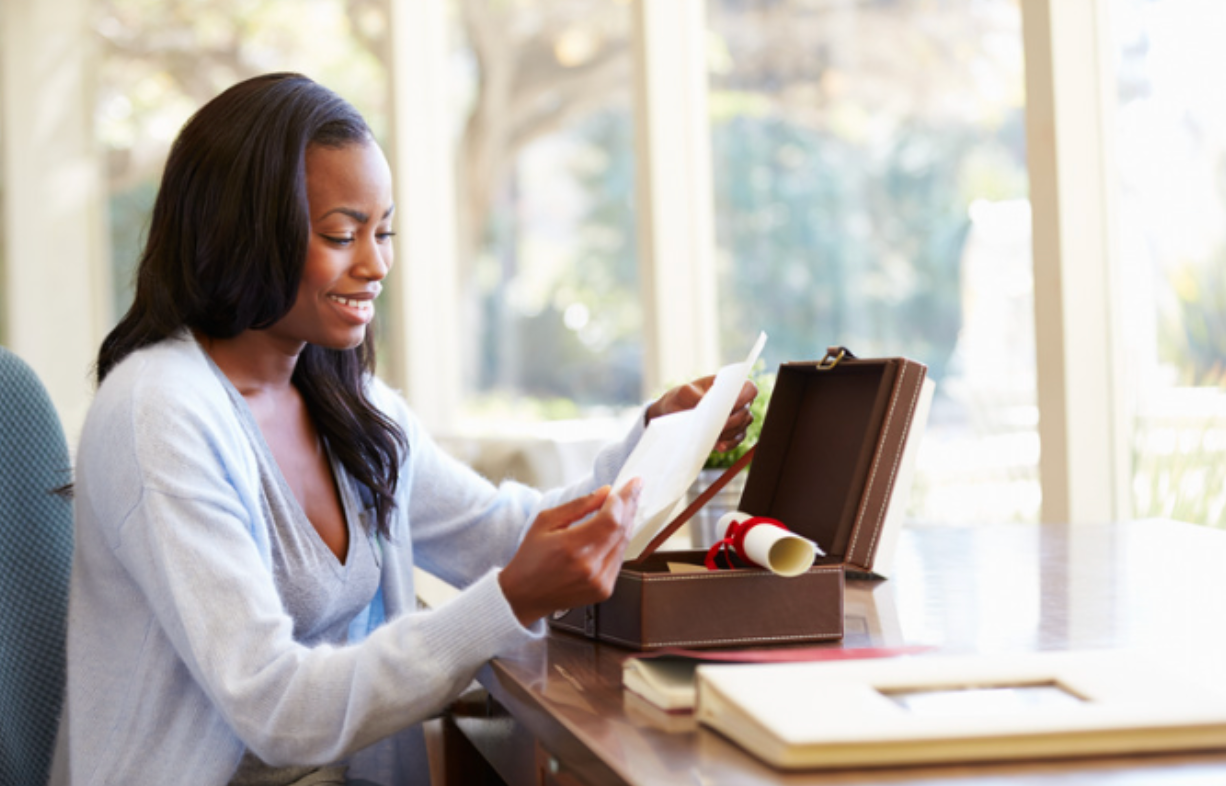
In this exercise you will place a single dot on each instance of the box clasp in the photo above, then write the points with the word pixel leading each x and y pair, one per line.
pixel 833 356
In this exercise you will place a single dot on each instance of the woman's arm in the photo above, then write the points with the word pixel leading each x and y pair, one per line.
pixel 462 525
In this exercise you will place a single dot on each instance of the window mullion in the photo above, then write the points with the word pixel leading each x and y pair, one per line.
pixel 424 349
pixel 56 284
pixel 1082 465
pixel 675 208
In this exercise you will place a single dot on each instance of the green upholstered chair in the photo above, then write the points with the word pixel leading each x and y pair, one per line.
pixel 35 557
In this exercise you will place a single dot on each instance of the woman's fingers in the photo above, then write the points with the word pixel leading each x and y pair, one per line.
pixel 568 513
pixel 738 421
pixel 606 549
pixel 571 554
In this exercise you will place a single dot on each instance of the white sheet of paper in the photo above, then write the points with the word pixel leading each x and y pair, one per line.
pixel 673 449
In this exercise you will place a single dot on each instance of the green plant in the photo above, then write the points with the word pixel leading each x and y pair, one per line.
pixel 766 384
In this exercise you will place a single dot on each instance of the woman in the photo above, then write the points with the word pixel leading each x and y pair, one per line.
pixel 251 500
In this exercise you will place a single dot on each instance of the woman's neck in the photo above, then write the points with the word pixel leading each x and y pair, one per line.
pixel 253 362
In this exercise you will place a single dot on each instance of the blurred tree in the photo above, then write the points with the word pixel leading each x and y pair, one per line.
pixel 540 66
pixel 583 341
pixel 850 139
pixel 843 133
pixel 1192 336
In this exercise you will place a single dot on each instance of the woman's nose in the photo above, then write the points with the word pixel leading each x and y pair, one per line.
pixel 375 260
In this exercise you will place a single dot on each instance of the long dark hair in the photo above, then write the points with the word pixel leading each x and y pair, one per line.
pixel 226 247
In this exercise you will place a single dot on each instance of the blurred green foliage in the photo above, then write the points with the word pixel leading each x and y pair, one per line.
pixel 766 385
pixel 821 242
pixel 1192 337
pixel 828 241
pixel 583 341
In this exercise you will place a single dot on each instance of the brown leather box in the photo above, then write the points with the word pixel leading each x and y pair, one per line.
pixel 826 465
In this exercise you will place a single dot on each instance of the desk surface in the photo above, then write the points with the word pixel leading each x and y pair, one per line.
pixel 1156 587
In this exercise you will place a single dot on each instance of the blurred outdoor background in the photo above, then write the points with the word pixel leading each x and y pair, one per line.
pixel 868 188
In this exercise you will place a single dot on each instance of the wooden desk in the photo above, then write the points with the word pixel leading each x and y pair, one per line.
pixel 556 713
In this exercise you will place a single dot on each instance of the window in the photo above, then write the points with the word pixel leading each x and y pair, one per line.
pixel 844 210
pixel 1170 131
pixel 870 188
pixel 552 322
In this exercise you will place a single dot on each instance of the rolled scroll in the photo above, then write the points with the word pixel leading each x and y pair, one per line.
pixel 765 543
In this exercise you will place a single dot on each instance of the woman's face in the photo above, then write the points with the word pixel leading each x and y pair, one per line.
pixel 349 190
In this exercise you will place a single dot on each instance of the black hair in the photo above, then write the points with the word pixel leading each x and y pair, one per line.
pixel 226 246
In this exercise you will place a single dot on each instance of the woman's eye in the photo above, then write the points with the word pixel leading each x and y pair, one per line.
pixel 339 240
pixel 385 236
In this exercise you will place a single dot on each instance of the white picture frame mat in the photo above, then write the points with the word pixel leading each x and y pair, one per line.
pixel 835 714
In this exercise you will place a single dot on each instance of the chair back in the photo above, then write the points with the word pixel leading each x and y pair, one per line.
pixel 35 558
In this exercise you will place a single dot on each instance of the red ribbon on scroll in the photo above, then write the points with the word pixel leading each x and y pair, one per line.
pixel 734 540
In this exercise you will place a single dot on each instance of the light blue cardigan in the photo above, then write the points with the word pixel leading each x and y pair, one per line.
pixel 179 651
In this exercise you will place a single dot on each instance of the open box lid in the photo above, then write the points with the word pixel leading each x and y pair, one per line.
pixel 833 456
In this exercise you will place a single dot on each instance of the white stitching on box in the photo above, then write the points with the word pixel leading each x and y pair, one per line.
pixel 868 488
pixel 748 639
pixel 897 459
pixel 717 574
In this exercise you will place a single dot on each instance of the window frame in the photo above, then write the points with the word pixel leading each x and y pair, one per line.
pixel 1084 468
pixel 56 278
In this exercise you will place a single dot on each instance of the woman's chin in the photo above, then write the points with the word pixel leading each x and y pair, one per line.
pixel 341 342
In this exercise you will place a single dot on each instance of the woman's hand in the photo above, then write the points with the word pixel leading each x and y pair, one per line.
pixel 685 397
pixel 565 561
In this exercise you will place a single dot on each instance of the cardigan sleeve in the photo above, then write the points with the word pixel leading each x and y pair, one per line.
pixel 461 524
